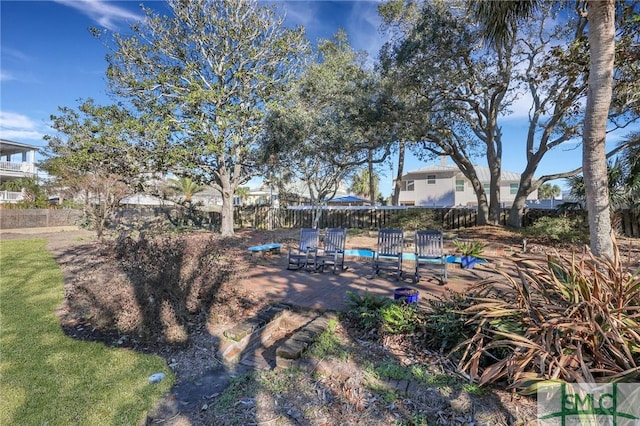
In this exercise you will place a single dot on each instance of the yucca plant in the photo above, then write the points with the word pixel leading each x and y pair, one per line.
pixel 571 318
pixel 470 248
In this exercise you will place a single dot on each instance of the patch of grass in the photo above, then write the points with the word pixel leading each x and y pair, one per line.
pixel 416 420
pixel 391 369
pixel 474 389
pixel 279 382
pixel 244 384
pixel 49 378
pixel 329 344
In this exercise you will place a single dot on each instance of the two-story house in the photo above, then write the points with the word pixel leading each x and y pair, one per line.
pixel 17 160
pixel 445 186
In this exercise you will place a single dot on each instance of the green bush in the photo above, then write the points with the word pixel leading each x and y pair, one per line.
pixel 445 324
pixel 470 248
pixel 365 310
pixel 399 318
pixel 559 229
pixel 414 219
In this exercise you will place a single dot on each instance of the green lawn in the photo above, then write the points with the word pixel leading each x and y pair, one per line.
pixel 49 378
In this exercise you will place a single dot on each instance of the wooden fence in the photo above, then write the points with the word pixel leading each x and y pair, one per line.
pixel 263 217
pixel 38 218
pixel 626 222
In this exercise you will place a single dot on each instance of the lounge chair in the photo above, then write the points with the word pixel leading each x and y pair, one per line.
pixel 332 252
pixel 430 254
pixel 303 256
pixel 388 254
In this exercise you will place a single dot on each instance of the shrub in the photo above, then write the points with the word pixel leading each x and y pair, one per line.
pixel 470 248
pixel 445 324
pixel 398 318
pixel 559 229
pixel 572 319
pixel 167 285
pixel 414 219
pixel 365 310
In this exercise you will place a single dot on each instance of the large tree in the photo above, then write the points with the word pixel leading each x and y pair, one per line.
pixel 203 76
pixel 331 123
pixel 500 19
pixel 451 92
pixel 92 158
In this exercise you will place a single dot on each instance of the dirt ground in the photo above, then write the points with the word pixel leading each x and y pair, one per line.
pixel 203 383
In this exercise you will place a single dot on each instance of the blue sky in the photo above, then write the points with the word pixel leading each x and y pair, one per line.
pixel 49 59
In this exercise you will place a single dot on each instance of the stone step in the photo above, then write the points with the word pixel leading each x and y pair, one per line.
pixel 254 342
pixel 290 351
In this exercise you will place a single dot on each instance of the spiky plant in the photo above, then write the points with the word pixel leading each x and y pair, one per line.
pixel 571 318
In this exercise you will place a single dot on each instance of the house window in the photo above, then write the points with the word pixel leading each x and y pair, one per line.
pixel 407 185
pixel 486 186
pixel 431 179
pixel 459 185
pixel 513 188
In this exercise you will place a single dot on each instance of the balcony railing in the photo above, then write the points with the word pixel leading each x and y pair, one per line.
pixel 22 167
pixel 10 196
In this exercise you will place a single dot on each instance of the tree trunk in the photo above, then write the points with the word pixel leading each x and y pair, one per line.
pixel 483 213
pixel 524 189
pixel 517 211
pixel 494 192
pixel 372 190
pixel 226 225
pixel 602 49
pixel 398 182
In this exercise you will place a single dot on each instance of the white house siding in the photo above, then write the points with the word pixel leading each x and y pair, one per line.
pixel 438 194
pixel 443 192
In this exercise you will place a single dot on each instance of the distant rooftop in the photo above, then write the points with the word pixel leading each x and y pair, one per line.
pixel 482 172
pixel 8 147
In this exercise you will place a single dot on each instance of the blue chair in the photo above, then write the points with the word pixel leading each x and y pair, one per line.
pixel 388 254
pixel 303 256
pixel 332 252
pixel 430 254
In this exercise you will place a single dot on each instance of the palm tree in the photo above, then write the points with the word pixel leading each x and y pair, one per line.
pixel 500 19
pixel 623 177
pixel 547 191
pixel 243 192
pixel 186 186
pixel 361 184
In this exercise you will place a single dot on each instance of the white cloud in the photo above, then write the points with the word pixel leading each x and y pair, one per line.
pixel 18 127
pixel 104 13
pixel 20 135
pixel 15 54
pixel 6 76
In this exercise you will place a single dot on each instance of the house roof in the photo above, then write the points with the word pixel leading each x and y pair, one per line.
pixel 481 171
pixel 349 199
pixel 8 147
pixel 146 200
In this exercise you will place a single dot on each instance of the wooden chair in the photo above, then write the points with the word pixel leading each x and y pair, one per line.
pixel 303 256
pixel 388 254
pixel 429 249
pixel 332 252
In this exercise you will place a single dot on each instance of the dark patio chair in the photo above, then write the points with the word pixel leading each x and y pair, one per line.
pixel 303 256
pixel 388 253
pixel 332 252
pixel 430 254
